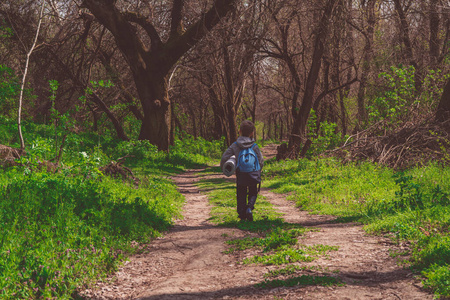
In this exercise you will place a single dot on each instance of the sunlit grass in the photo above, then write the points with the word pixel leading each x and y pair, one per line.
pixel 409 205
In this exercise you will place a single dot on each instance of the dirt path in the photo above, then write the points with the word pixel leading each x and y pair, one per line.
pixel 189 263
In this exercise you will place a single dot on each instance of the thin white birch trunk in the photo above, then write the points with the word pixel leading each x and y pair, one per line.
pixel 22 87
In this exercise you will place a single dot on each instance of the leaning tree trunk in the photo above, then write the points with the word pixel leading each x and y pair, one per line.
pixel 300 122
pixel 443 110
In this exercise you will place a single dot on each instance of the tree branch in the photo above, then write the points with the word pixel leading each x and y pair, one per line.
pixel 147 26
pixel 125 35
pixel 176 25
pixel 176 47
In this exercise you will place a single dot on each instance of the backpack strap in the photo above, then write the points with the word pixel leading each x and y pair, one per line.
pixel 257 159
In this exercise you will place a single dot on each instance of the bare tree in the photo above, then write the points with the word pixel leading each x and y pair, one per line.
pixel 150 65
pixel 24 76
pixel 299 127
pixel 443 111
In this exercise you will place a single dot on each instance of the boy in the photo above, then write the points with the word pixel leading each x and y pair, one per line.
pixel 247 178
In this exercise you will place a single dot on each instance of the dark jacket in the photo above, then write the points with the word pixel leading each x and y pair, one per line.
pixel 244 142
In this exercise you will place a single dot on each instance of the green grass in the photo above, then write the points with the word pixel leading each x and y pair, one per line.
pixel 411 205
pixel 286 255
pixel 63 231
pixel 60 232
pixel 273 240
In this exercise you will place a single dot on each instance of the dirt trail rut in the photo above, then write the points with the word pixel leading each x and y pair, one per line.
pixel 189 263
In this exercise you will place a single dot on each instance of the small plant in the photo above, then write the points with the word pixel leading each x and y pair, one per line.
pixel 438 279
pixel 290 255
pixel 273 240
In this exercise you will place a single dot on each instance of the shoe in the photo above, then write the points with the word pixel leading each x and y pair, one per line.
pixel 249 214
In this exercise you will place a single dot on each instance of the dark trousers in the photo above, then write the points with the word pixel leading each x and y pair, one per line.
pixel 244 193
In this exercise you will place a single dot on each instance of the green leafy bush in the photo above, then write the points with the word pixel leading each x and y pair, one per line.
pixel 140 149
pixel 438 279
pixel 323 138
pixel 398 93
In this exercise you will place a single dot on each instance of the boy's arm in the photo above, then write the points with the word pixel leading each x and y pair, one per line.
pixel 226 156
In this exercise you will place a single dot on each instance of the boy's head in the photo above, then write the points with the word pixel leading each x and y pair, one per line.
pixel 247 128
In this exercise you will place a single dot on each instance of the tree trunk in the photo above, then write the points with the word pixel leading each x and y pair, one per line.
pixel 281 128
pixel 232 132
pixel 219 114
pixel 350 53
pixel 443 110
pixel 150 65
pixel 153 93
pixel 434 32
pixel 22 86
pixel 366 63
pixel 300 122
pixel 117 126
pixel 409 56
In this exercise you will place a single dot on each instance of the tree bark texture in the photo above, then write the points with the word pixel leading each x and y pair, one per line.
pixel 443 110
pixel 300 122
pixel 368 56
pixel 150 66
pixel 406 39
pixel 434 31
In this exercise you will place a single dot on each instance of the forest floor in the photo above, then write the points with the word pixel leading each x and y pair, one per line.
pixel 189 261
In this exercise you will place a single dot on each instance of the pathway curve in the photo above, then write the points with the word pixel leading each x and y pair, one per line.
pixel 189 263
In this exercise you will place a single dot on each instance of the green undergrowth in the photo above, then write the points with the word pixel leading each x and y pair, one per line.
pixel 274 241
pixel 67 226
pixel 285 255
pixel 410 205
pixel 62 231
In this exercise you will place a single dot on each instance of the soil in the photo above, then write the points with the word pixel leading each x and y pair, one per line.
pixel 189 261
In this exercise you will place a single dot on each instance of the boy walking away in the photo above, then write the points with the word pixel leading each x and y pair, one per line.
pixel 249 162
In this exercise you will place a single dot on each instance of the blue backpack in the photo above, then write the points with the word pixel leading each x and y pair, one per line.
pixel 248 160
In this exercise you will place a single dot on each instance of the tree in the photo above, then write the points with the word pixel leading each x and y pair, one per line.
pixel 301 118
pixel 367 30
pixel 151 64
pixel 24 77
pixel 443 110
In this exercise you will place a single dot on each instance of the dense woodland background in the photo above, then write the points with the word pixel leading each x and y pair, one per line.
pixel 101 101
pixel 299 69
